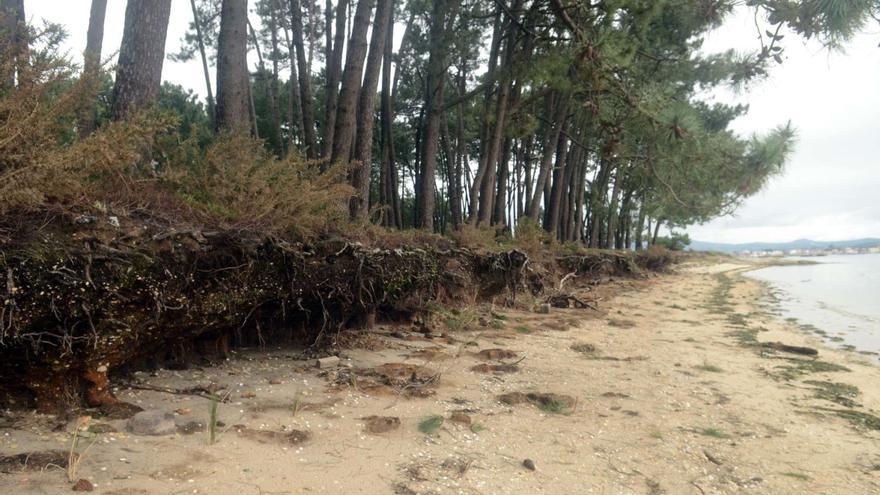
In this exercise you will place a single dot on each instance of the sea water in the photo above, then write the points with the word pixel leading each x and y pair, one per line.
pixel 839 296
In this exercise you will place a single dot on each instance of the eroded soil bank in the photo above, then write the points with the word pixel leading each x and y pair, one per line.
pixel 680 384
pixel 91 297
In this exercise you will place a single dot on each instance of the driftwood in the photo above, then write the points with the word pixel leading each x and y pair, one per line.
pixel 570 301
pixel 792 349
pixel 203 392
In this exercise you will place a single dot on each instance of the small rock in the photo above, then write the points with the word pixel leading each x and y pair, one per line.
pixel 152 422
pixel 114 221
pixel 83 485
pixel 460 417
pixel 248 395
pixel 327 362
pixel 380 424
pixel 544 309
pixel 275 381
pixel 183 411
pixel 529 464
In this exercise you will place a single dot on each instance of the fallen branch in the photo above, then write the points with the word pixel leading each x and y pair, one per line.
pixel 194 391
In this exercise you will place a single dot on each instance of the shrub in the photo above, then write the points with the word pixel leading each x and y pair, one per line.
pixel 238 181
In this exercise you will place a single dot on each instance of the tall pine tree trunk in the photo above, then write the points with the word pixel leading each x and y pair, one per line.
pixel 578 230
pixel 201 41
pixel 557 188
pixel 640 224
pixel 92 67
pixel 294 105
pixel 597 200
pixel 441 13
pixel 13 42
pixel 274 88
pixel 333 75
pixel 483 165
pixel 346 110
pixel 305 81
pixel 388 173
pixel 233 81
pixel 611 225
pixel 139 68
pixel 366 110
pixel 554 129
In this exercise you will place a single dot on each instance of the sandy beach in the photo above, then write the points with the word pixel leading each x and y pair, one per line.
pixel 685 383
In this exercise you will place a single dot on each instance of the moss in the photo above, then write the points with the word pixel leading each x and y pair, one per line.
pixel 857 418
pixel 714 433
pixel 839 393
pixel 797 368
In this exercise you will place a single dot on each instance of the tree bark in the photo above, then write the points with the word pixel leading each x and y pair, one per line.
pixel 441 13
pixel 611 225
pixel 554 129
pixel 366 111
pixel 351 84
pixel 487 190
pixel 501 197
pixel 274 87
pixel 656 231
pixel 294 105
pixel 483 164
pixel 333 75
pixel 305 84
pixel 557 188
pixel 139 68
pixel 387 173
pixel 13 42
pixel 92 67
pixel 640 224
pixel 578 230
pixel 233 81
pixel 597 200
pixel 201 41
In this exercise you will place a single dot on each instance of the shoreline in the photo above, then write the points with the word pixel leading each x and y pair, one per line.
pixel 670 388
pixel 772 292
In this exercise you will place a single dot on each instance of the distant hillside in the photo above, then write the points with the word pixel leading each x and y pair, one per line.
pixel 783 246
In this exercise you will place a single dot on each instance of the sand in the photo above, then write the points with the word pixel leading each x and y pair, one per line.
pixel 664 390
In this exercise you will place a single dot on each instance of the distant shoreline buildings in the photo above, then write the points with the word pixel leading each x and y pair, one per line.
pixel 808 252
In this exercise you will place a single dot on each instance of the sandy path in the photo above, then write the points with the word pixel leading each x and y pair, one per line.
pixel 667 400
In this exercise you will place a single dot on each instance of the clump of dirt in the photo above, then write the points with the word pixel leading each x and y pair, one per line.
pixel 389 379
pixel 460 417
pixel 621 323
pixel 430 354
pixel 616 395
pixel 291 437
pixel 549 402
pixel 495 354
pixel 33 461
pixel 380 424
pixel 495 368
pixel 584 348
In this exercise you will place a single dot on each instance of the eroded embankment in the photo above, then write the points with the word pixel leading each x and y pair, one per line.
pixel 87 297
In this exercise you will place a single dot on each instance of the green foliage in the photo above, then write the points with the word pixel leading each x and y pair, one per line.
pixel 677 241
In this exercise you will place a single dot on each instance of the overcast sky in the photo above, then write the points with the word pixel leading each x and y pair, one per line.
pixel 831 187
